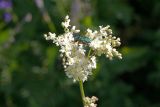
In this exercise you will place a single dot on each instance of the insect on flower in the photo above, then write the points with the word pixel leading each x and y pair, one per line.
pixel 82 39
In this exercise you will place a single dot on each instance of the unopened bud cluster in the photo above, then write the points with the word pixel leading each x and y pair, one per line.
pixel 90 102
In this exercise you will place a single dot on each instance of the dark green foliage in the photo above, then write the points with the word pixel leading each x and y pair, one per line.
pixel 31 71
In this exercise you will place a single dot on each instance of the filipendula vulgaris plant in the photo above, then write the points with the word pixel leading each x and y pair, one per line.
pixel 79 52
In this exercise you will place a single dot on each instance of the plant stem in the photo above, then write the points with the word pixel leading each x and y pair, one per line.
pixel 82 91
pixel 89 52
pixel 81 83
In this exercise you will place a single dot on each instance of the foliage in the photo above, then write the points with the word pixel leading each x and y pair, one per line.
pixel 31 74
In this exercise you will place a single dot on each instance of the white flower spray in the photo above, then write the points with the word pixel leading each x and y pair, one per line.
pixel 79 52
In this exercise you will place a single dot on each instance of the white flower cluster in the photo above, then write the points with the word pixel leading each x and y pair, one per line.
pixel 77 64
pixel 90 102
pixel 103 42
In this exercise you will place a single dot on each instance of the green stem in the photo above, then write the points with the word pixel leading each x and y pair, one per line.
pixel 89 52
pixel 81 83
pixel 82 91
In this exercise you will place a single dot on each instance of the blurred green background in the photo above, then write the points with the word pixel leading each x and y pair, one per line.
pixel 31 73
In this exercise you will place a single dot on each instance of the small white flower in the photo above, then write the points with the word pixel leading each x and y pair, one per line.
pixel 66 24
pixel 91 34
pixel 51 36
pixel 93 62
pixel 90 102
pixel 74 30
